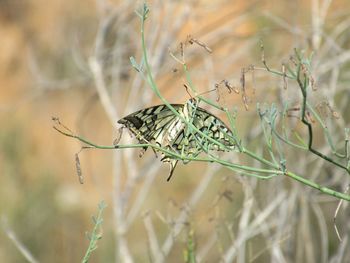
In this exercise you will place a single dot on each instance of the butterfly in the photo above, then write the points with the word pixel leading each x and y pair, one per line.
pixel 159 124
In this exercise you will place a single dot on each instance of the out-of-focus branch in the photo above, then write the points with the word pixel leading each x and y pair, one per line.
pixel 251 228
pixel 18 244
pixel 152 237
pixel 179 222
pixel 105 99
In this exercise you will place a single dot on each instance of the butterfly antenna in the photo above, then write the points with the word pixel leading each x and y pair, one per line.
pixel 188 91
pixel 208 91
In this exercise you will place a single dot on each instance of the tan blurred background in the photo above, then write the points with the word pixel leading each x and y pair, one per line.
pixel 45 49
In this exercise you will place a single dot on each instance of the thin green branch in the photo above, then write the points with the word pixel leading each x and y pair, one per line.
pixel 302 66
pixel 155 89
pixel 303 88
pixel 326 131
pixel 172 154
pixel 322 189
pixel 276 72
pixel 273 128
pixel 251 171
pixel 96 233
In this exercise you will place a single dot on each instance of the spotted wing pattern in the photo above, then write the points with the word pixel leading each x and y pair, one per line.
pixel 160 125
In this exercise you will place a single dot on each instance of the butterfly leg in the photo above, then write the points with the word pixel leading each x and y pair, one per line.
pixel 142 151
pixel 173 164
pixel 119 136
pixel 154 151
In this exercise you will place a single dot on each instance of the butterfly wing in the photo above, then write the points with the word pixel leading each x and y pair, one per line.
pixel 159 124
pixel 153 123
pixel 214 128
pixel 207 124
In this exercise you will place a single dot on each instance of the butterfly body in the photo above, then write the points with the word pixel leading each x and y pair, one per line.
pixel 160 125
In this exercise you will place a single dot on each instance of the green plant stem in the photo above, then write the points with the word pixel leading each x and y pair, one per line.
pixel 323 189
pixel 305 105
pixel 154 87
pixel 326 131
pixel 258 158
pixel 303 89
pixel 95 235
pixel 231 166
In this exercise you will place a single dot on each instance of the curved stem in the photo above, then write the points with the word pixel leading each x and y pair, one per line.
pixel 246 169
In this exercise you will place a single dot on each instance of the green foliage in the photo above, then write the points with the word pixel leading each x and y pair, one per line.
pixel 96 233
pixel 190 251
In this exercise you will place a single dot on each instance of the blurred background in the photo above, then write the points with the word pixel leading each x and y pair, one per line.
pixel 70 59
